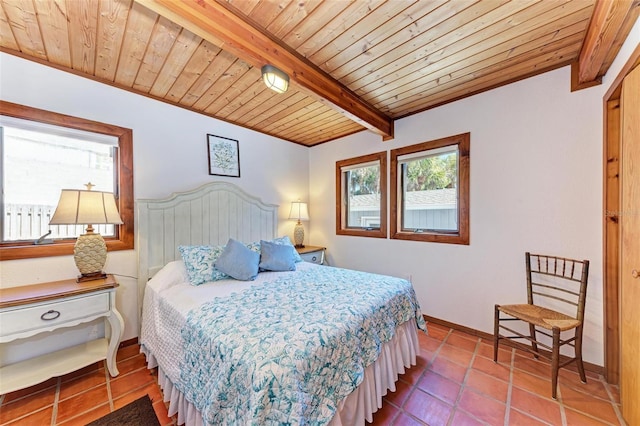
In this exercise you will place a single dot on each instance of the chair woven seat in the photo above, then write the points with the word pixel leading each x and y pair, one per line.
pixel 540 316
pixel 552 281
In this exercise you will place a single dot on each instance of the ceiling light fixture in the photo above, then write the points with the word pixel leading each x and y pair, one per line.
pixel 275 79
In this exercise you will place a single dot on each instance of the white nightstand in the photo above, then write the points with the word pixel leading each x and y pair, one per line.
pixel 29 310
pixel 313 254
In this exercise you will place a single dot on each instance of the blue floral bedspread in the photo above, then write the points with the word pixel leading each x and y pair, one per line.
pixel 289 351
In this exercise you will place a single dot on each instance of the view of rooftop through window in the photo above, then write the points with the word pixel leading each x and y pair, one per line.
pixel 364 196
pixel 37 163
pixel 430 193
pixel 430 197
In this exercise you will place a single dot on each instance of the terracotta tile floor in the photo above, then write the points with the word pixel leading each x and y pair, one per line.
pixel 455 383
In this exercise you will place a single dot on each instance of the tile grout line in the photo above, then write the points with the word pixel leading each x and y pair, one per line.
pixel 480 392
pixel 463 385
pixel 615 405
pixel 513 370
pixel 621 419
pixel 108 382
pixel 435 355
pixel 560 401
pixel 56 398
pixel 610 399
pixel 507 403
pixel 29 412
pixel 437 351
pixel 70 420
pixel 414 386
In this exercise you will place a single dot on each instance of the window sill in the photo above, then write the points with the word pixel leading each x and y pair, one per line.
pixel 62 248
pixel 432 237
pixel 374 233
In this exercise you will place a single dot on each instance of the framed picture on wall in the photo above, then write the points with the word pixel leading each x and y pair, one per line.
pixel 224 156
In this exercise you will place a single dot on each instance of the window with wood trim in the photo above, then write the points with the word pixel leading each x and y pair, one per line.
pixel 43 152
pixel 361 196
pixel 430 191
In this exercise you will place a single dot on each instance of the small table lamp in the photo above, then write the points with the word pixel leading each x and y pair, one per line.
pixel 89 208
pixel 300 212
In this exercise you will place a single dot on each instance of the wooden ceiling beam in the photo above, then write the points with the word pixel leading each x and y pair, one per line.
pixel 608 18
pixel 223 27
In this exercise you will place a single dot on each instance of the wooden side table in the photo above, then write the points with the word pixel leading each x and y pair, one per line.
pixel 313 254
pixel 29 310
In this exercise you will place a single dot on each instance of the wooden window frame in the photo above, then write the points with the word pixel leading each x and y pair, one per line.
pixel 124 234
pixel 341 213
pixel 462 236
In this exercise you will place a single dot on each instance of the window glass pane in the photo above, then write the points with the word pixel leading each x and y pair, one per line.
pixel 37 164
pixel 430 192
pixel 361 196
pixel 362 189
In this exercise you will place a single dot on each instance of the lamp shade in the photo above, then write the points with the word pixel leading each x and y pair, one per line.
pixel 86 207
pixel 275 79
pixel 299 211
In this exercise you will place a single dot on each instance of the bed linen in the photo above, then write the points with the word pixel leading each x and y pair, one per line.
pixel 305 370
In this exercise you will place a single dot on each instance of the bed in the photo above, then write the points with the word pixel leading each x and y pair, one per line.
pixel 314 345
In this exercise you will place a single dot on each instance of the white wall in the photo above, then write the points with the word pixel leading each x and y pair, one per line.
pixel 536 185
pixel 170 154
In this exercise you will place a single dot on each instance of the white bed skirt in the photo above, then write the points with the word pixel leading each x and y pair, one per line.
pixel 396 355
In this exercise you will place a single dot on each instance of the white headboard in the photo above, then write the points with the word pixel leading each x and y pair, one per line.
pixel 208 215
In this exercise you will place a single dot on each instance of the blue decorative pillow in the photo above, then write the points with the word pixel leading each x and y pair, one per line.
pixel 238 261
pixel 199 262
pixel 277 257
pixel 286 241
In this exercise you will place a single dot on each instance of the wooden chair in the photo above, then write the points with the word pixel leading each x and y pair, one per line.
pixel 553 281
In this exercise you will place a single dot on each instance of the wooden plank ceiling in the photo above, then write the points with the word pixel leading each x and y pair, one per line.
pixel 354 65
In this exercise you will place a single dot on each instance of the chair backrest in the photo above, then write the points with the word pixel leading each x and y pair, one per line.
pixel 558 279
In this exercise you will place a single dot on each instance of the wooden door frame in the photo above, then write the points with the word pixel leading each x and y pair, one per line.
pixel 610 220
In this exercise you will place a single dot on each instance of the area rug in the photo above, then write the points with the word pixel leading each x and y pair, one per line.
pixel 137 413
